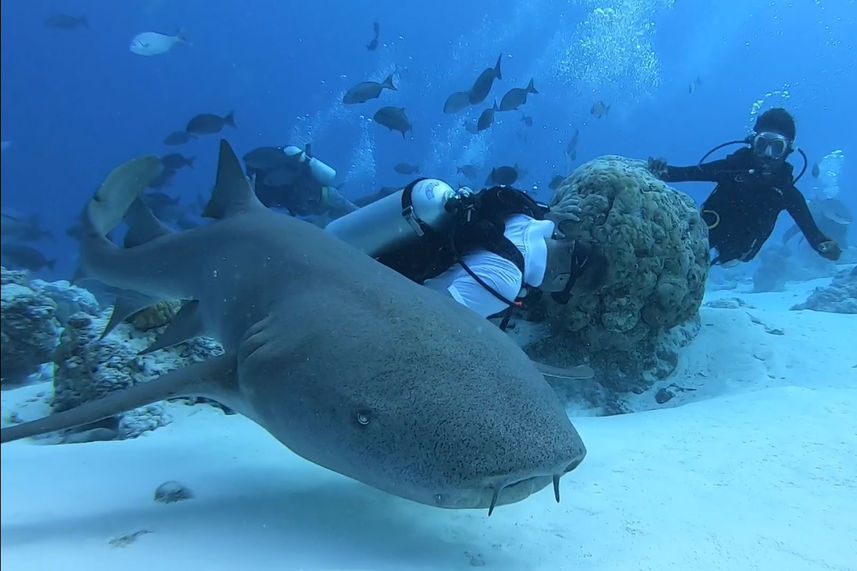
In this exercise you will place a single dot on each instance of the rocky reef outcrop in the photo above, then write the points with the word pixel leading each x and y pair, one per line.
pixel 839 297
pixel 60 324
pixel 657 259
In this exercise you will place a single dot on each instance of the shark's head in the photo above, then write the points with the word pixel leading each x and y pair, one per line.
pixel 433 406
pixel 464 435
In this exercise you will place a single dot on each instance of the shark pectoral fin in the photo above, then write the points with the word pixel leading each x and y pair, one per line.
pixel 232 193
pixel 143 226
pixel 577 373
pixel 124 307
pixel 214 378
pixel 124 183
pixel 186 324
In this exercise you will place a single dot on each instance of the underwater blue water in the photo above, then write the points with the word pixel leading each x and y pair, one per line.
pixel 76 103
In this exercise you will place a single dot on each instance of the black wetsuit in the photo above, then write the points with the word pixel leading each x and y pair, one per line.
pixel 742 209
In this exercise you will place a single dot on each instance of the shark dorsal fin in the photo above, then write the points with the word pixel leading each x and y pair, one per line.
pixel 232 192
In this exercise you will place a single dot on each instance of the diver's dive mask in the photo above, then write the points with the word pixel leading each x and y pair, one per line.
pixel 770 145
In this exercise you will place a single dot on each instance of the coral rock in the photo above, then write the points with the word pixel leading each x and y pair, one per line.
pixel 28 328
pixel 656 248
pixel 839 297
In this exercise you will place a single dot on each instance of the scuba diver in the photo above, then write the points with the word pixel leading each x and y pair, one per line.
pixel 292 178
pixel 487 249
pixel 754 184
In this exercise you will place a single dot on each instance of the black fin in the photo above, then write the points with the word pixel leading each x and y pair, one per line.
pixel 185 325
pixel 142 225
pixel 232 193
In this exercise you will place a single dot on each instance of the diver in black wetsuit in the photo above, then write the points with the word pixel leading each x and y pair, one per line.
pixel 291 178
pixel 754 185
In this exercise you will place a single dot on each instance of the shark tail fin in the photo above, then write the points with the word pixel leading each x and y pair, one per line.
pixel 232 192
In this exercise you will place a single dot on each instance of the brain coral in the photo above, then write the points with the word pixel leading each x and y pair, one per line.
pixel 656 247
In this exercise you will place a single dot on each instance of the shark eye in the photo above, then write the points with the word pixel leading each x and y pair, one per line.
pixel 362 417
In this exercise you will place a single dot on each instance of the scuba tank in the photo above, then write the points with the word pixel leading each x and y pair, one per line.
pixel 324 174
pixel 401 218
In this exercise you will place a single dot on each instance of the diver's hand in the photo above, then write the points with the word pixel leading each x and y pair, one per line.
pixel 569 206
pixel 830 250
pixel 658 166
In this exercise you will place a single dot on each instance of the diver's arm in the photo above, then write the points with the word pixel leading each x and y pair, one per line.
pixel 796 205
pixel 702 172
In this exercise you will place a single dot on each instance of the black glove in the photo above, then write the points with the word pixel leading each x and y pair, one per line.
pixel 829 249
pixel 658 166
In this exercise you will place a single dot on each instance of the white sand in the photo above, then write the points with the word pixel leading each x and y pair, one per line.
pixel 760 472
